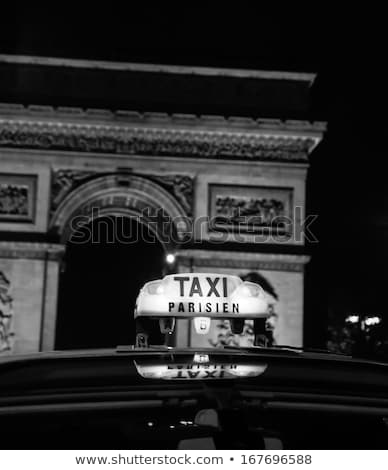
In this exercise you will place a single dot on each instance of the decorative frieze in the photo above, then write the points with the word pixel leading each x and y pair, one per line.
pixel 197 259
pixel 202 138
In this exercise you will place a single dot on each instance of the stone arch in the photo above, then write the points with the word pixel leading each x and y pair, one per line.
pixel 122 195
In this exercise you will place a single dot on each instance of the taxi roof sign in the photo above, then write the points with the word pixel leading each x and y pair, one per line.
pixel 212 295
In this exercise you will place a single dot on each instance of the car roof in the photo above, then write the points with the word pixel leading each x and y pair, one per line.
pixel 96 369
pixel 281 351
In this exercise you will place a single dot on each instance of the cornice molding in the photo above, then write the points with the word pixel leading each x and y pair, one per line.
pixel 30 250
pixel 157 134
pixel 123 117
pixel 156 68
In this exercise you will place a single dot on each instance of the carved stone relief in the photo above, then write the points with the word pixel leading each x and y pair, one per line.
pixel 249 208
pixel 6 314
pixel 181 187
pixel 64 181
pixel 17 197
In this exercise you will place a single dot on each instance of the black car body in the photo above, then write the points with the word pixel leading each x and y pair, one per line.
pixel 257 398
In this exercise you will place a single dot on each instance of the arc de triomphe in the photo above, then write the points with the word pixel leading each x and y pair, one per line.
pixel 58 165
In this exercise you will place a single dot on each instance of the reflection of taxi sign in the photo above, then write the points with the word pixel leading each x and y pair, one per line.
pixel 202 295
pixel 199 371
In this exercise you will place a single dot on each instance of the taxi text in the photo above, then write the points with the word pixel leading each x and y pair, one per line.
pixel 210 288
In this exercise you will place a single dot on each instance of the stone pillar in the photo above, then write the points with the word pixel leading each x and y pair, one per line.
pixel 284 272
pixel 29 275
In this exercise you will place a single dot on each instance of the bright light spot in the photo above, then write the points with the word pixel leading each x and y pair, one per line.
pixel 170 258
pixel 352 319
pixel 370 321
pixel 201 358
pixel 160 289
pixel 172 426
pixel 158 374
pixel 245 290
pixel 150 424
pixel 239 373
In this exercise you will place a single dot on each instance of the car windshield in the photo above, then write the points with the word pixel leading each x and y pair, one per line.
pixel 195 428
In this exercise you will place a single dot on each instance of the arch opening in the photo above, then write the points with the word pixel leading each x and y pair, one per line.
pixel 101 278
pixel 108 195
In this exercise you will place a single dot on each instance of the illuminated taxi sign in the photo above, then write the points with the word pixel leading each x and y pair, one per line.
pixel 202 295
pixel 199 371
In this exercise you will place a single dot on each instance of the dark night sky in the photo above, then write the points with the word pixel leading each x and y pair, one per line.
pixel 226 37
pixel 347 182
